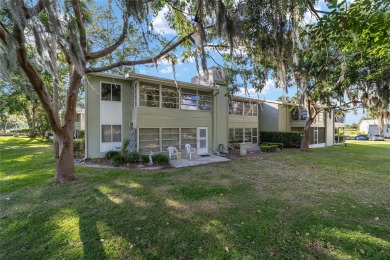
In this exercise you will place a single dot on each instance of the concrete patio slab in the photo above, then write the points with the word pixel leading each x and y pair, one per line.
pixel 198 160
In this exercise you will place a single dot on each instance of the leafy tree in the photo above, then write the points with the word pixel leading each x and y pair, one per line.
pixel 88 39
pixel 34 37
pixel 358 35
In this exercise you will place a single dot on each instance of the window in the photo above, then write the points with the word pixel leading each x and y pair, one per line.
pixel 255 109
pixel 248 135
pixel 299 114
pixel 248 108
pixel 149 139
pixel 188 136
pixel 242 108
pixel 188 99
pixel 254 136
pixel 235 107
pixel 78 117
pixel 111 133
pixel 317 135
pixel 170 137
pixel 149 95
pixel 196 100
pixel 302 114
pixel 111 92
pixel 170 97
pixel 239 135
pixel 205 101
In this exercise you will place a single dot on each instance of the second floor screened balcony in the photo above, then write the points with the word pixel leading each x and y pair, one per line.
pixel 299 115
pixel 243 108
pixel 163 96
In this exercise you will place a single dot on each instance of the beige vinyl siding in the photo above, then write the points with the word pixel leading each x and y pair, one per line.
pixel 149 117
pixel 284 118
pixel 269 114
pixel 243 121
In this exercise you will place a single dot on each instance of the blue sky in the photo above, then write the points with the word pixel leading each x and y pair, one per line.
pixel 185 71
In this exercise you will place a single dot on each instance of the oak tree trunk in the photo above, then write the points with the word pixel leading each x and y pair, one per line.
pixel 305 141
pixel 65 165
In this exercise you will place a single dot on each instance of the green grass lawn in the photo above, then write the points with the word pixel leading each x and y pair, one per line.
pixel 327 203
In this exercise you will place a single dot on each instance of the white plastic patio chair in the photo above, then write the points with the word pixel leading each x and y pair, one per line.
pixel 172 152
pixel 189 150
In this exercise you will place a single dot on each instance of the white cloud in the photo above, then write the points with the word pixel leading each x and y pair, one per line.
pixel 160 24
pixel 166 70
pixel 252 93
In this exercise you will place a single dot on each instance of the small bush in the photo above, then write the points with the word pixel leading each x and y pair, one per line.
pixel 110 154
pixel 288 139
pixel 144 158
pixel 125 144
pixel 161 159
pixel 117 160
pixel 233 143
pixel 279 145
pixel 133 157
pixel 78 146
pixel 82 134
pixel 268 148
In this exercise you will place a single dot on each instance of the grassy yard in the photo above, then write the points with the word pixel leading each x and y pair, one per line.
pixel 326 203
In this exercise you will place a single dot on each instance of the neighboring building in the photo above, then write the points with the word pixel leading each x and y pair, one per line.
pixel 326 129
pixel 79 125
pixel 155 113
pixel 370 127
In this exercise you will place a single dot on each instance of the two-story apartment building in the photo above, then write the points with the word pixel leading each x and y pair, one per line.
pixel 155 113
pixel 79 124
pixel 280 116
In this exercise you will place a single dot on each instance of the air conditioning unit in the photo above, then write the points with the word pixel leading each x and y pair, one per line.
pixel 216 76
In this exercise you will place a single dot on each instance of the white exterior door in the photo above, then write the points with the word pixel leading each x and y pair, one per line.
pixel 202 140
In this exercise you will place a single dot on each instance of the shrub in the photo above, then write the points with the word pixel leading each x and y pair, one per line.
pixel 279 145
pixel 161 159
pixel 268 148
pixel 82 134
pixel 233 143
pixel 78 146
pixel 117 160
pixel 133 157
pixel 288 139
pixel 144 158
pixel 125 144
pixel 110 154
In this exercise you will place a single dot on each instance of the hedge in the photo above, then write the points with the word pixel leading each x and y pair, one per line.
pixel 78 146
pixel 279 145
pixel 268 148
pixel 288 139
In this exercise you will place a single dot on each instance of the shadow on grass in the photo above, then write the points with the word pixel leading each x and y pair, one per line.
pixel 126 218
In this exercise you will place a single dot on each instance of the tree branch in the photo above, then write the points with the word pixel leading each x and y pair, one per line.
pixel 3 33
pixel 35 79
pixel 112 48
pixel 313 10
pixel 33 11
pixel 80 24
pixel 140 62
